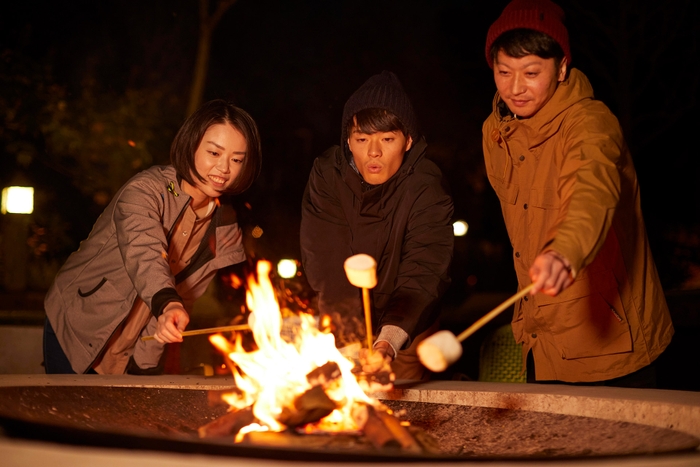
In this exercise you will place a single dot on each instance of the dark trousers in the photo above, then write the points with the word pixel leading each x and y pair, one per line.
pixel 55 360
pixel 643 378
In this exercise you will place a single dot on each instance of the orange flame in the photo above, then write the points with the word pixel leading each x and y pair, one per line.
pixel 271 378
pixel 234 281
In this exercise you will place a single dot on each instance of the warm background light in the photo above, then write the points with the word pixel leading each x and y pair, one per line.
pixel 460 228
pixel 257 231
pixel 287 268
pixel 17 200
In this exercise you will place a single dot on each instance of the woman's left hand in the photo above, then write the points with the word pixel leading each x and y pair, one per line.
pixel 171 324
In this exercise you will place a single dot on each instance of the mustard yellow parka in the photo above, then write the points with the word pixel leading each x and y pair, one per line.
pixel 566 182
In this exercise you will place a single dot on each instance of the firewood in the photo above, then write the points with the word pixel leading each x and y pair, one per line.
pixel 378 433
pixel 282 439
pixel 382 381
pixel 309 407
pixel 214 398
pixel 429 444
pixel 324 374
pixel 290 439
pixel 399 432
pixel 228 424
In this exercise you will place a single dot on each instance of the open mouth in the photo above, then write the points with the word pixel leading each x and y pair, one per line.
pixel 374 168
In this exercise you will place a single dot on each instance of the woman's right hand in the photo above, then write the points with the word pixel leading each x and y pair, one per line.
pixel 171 323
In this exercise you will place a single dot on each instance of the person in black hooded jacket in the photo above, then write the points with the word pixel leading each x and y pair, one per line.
pixel 378 194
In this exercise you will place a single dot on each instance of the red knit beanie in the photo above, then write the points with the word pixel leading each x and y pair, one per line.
pixel 540 15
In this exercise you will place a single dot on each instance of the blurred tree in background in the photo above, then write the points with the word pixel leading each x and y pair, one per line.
pixel 99 140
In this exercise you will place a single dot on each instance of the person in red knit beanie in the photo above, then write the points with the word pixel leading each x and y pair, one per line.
pixel 569 194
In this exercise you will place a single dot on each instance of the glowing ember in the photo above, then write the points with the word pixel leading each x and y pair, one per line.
pixel 302 382
pixel 234 281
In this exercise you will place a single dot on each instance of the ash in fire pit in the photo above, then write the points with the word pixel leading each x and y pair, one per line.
pixel 464 431
pixel 168 419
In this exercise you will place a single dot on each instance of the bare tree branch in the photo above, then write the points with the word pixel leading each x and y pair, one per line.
pixel 207 25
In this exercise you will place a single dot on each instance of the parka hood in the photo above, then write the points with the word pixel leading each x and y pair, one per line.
pixel 574 89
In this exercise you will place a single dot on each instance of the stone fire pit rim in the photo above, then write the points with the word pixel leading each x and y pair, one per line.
pixel 676 410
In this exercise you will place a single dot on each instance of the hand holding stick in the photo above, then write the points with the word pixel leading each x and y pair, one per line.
pixel 362 273
pixel 442 349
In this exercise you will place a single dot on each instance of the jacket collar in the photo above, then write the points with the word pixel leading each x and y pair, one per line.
pixel 357 184
pixel 546 122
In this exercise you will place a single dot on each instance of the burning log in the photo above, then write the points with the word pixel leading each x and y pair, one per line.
pixel 301 384
pixel 381 429
pixel 381 381
pixel 323 375
pixel 378 433
pixel 402 436
pixel 310 407
pixel 215 397
pixel 228 424
pixel 314 404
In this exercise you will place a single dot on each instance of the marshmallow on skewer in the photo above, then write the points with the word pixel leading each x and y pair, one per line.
pixel 439 351
pixel 442 349
pixel 361 271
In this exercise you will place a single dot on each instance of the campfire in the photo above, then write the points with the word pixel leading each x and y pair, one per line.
pixel 295 383
pixel 297 396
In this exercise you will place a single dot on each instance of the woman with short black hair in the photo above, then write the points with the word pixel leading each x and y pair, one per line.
pixel 154 250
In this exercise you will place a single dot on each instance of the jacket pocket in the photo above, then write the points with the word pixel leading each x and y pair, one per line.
pixel 94 314
pixel 589 323
pixel 545 198
pixel 93 290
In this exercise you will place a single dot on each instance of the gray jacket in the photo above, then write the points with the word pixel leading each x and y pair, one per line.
pixel 125 256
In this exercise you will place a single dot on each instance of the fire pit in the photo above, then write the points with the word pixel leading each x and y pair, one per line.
pixel 294 395
pixel 471 422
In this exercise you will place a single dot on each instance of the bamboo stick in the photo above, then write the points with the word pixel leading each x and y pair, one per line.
pixel 368 317
pixel 194 332
pixel 493 313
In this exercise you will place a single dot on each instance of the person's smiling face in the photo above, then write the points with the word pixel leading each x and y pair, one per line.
pixel 219 159
pixel 527 83
pixel 378 156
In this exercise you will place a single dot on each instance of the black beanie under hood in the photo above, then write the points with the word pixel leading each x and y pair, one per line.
pixel 382 91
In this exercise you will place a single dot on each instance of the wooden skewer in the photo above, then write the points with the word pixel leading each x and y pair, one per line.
pixel 368 317
pixel 493 313
pixel 194 332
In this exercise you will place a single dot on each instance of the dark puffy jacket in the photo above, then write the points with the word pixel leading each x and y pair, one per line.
pixel 405 224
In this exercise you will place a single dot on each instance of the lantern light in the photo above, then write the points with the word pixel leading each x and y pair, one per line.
pixel 460 228
pixel 17 200
pixel 287 268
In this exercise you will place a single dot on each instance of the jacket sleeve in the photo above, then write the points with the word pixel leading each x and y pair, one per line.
pixel 142 242
pixel 423 274
pixel 325 239
pixel 589 185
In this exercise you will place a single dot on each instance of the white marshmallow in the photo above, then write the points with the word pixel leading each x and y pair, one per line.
pixel 361 271
pixel 439 351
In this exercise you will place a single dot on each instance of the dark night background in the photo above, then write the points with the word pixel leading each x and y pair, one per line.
pixel 91 92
